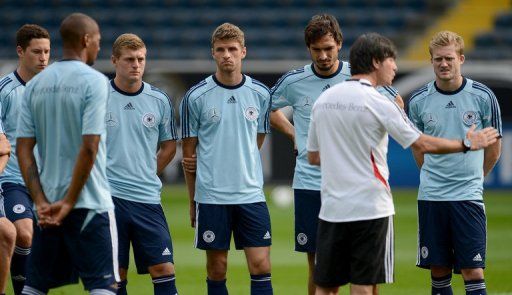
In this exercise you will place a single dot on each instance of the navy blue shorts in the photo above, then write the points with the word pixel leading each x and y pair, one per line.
pixel 17 201
pixel 84 246
pixel 250 224
pixel 307 207
pixel 145 226
pixel 452 234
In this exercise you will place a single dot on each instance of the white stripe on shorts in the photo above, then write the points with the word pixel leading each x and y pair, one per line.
pixel 115 243
pixel 196 232
pixel 389 254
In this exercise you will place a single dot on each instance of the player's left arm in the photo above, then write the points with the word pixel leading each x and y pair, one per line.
pixel 5 151
pixel 313 146
pixel 264 118
pixel 491 117
pixel 165 154
pixel 314 158
pixel 492 154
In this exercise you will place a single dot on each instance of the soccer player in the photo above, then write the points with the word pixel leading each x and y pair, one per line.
pixel 299 89
pixel 141 141
pixel 349 131
pixel 224 120
pixel 33 48
pixel 452 222
pixel 7 229
pixel 63 111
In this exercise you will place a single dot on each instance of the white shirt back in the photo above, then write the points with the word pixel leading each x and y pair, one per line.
pixel 349 126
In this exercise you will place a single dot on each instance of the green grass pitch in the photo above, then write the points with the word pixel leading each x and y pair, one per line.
pixel 289 272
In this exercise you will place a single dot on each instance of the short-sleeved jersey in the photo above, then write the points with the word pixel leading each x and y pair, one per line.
pixel 457 176
pixel 226 121
pixel 300 89
pixel 136 124
pixel 61 104
pixel 12 88
pixel 349 127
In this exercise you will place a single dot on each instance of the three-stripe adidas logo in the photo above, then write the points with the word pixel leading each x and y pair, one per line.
pixel 129 106
pixel 166 252
pixel 232 99
pixel 477 257
pixel 267 235
pixel 326 87
pixel 450 105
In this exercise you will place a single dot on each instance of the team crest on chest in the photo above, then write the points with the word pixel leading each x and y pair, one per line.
pixel 213 115
pixel 251 113
pixel 469 118
pixel 149 120
pixel 110 120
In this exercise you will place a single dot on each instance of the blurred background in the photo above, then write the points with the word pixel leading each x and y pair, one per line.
pixel 177 35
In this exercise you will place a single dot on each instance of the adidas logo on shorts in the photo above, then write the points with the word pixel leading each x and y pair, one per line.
pixel 166 252
pixel 477 257
pixel 266 236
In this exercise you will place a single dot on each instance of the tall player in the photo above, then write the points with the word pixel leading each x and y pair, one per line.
pixel 452 222
pixel 64 110
pixel 299 89
pixel 141 142
pixel 224 120
pixel 7 229
pixel 33 48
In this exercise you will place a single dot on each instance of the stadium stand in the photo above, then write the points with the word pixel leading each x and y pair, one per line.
pixel 495 44
pixel 180 29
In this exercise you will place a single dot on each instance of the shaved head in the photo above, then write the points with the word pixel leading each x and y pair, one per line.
pixel 74 27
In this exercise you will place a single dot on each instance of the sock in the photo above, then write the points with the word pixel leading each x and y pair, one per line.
pixel 27 290
pixel 216 287
pixel 165 285
pixel 18 268
pixel 121 287
pixel 475 287
pixel 442 285
pixel 107 291
pixel 261 284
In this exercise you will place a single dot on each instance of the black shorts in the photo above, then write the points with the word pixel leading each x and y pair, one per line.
pixel 358 252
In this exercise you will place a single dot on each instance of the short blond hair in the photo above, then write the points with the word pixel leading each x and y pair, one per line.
pixel 128 40
pixel 446 38
pixel 228 31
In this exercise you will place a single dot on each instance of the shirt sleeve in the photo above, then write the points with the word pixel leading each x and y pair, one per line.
pixel 279 95
pixel 95 110
pixel 491 113
pixel 264 115
pixel 189 116
pixel 415 116
pixel 25 126
pixel 312 142
pixel 395 121
pixel 167 126
pixel 388 91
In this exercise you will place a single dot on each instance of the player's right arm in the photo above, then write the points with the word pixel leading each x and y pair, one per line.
pixel 25 143
pixel 279 121
pixel 189 150
pixel 189 117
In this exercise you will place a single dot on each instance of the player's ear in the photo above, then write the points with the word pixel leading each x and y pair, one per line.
pixel 462 58
pixel 244 52
pixel 376 63
pixel 19 51
pixel 113 59
pixel 85 40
